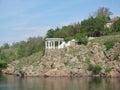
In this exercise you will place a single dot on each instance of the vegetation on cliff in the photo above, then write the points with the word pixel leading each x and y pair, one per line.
pixel 20 50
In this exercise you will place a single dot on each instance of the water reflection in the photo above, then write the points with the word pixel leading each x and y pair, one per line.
pixel 35 83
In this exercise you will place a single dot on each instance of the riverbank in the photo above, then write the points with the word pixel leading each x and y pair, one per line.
pixel 70 75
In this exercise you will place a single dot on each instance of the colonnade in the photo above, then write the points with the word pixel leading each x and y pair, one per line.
pixel 51 42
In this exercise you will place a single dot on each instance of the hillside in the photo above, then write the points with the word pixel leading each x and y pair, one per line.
pixel 79 60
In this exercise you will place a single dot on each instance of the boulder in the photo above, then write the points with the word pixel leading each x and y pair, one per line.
pixel 114 74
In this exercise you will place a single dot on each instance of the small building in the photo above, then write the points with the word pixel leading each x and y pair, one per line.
pixel 112 21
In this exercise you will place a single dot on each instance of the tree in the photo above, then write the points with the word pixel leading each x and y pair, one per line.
pixel 116 26
pixel 50 33
pixel 89 27
pixel 5 46
pixel 103 12
pixel 3 65
pixel 81 38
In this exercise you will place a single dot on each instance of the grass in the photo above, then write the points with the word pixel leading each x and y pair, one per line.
pixel 103 39
pixel 109 44
pixel 30 60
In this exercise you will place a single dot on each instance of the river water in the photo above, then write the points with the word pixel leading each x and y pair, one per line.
pixel 36 83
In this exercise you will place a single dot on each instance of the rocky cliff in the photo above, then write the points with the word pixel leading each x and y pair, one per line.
pixel 75 61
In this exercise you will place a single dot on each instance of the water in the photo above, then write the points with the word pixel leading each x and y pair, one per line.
pixel 35 83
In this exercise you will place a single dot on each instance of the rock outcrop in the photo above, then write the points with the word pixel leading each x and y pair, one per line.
pixel 73 61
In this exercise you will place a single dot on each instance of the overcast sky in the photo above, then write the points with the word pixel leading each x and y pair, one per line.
pixel 20 19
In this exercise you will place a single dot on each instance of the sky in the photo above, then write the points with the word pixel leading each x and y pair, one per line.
pixel 21 19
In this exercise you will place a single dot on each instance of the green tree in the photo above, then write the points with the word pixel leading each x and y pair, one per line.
pixel 89 27
pixel 103 12
pixel 3 65
pixel 5 46
pixel 50 33
pixel 116 26
pixel 81 38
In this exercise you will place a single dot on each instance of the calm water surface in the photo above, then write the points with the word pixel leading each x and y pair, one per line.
pixel 35 83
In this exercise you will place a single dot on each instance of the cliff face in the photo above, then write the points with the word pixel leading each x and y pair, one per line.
pixel 78 60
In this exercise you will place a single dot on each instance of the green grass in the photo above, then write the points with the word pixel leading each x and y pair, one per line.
pixel 109 44
pixel 101 40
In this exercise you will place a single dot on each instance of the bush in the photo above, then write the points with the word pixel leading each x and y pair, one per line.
pixel 3 64
pixel 87 61
pixel 94 68
pixel 108 70
pixel 81 38
pixel 109 44
pixel 66 63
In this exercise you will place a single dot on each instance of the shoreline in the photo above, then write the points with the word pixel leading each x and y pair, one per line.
pixel 69 76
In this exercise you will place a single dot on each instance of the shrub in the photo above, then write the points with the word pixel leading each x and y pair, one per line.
pixel 81 38
pixel 108 70
pixel 66 63
pixel 3 64
pixel 109 44
pixel 87 61
pixel 94 68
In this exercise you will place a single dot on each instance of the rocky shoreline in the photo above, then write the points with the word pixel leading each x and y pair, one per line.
pixel 22 75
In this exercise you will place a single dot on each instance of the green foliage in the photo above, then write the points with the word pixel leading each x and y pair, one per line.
pixel 93 26
pixel 29 47
pixel 106 31
pixel 108 70
pixel 50 33
pixel 65 32
pixel 5 46
pixel 20 50
pixel 116 26
pixel 87 61
pixel 68 38
pixel 66 63
pixel 109 44
pixel 3 64
pixel 7 55
pixel 94 68
pixel 103 12
pixel 81 38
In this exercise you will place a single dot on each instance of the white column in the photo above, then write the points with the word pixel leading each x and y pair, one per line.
pixel 46 44
pixel 62 45
pixel 50 44
pixel 58 43
pixel 53 44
